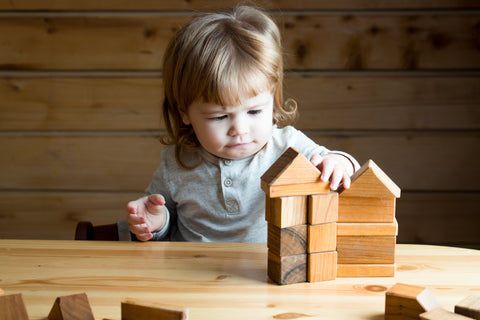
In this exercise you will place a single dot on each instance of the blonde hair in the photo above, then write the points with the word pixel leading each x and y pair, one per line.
pixel 221 58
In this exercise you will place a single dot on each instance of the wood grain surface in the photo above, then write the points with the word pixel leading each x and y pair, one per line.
pixel 217 280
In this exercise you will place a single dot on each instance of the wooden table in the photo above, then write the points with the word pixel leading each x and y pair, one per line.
pixel 217 280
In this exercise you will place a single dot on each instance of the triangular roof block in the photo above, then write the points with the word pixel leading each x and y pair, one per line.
pixel 371 181
pixel 291 175
pixel 403 299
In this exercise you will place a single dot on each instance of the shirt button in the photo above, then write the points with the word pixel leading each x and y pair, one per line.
pixel 228 182
pixel 227 162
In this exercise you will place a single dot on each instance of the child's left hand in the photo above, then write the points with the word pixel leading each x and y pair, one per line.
pixel 334 168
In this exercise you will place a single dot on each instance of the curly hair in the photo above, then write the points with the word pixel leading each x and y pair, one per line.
pixel 222 58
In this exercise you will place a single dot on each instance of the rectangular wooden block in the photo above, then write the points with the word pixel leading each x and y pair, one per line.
pixel 322 266
pixel 366 250
pixel 303 189
pixel 367 229
pixel 287 241
pixel 13 307
pixel 286 212
pixel 288 269
pixel 442 314
pixel 364 209
pixel 133 309
pixel 322 237
pixel 365 270
pixel 469 307
pixel 323 208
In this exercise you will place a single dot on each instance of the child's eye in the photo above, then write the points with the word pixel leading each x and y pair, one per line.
pixel 218 118
pixel 254 112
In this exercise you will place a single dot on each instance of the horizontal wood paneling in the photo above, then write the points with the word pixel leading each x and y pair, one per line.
pixel 414 162
pixel 54 215
pixel 333 41
pixel 388 102
pixel 214 5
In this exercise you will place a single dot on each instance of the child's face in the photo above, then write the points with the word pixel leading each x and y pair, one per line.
pixel 232 132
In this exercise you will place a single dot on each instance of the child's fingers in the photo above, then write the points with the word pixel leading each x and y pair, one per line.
pixel 154 203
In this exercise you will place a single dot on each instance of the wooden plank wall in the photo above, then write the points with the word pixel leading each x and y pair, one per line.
pixel 394 81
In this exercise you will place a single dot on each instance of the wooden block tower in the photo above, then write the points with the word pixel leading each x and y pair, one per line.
pixel 367 228
pixel 315 234
pixel 299 208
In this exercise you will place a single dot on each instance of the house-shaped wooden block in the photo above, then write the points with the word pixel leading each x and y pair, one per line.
pixel 405 301
pixel 370 198
pixel 293 175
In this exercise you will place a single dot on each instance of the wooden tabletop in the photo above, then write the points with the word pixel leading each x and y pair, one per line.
pixel 217 280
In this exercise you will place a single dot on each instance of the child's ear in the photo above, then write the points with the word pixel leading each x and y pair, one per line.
pixel 185 117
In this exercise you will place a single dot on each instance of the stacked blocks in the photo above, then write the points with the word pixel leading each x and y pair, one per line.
pixel 315 234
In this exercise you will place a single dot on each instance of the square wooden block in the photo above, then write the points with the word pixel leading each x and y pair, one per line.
pixel 287 241
pixel 287 211
pixel 323 208
pixel 322 266
pixel 288 269
pixel 13 307
pixel 322 237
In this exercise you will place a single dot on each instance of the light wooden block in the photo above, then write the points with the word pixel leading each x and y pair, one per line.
pixel 322 266
pixel 371 181
pixel 366 249
pixel 366 209
pixel 12 307
pixel 367 229
pixel 365 270
pixel 442 314
pixel 133 309
pixel 72 307
pixel 287 269
pixel 286 212
pixel 403 300
pixel 322 237
pixel 293 174
pixel 323 208
pixel 287 241
pixel 469 307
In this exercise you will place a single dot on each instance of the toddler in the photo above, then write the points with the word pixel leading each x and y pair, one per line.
pixel 226 124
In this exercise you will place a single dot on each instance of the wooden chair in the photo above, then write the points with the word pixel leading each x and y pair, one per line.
pixel 108 232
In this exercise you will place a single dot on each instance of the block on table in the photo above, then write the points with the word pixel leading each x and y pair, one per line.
pixel 71 307
pixel 322 266
pixel 287 269
pixel 133 309
pixel 469 307
pixel 12 307
pixel 442 314
pixel 286 212
pixel 287 241
pixel 366 249
pixel 403 301
pixel 365 270
pixel 322 237
pixel 323 208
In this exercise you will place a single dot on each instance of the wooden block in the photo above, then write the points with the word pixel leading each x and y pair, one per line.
pixel 469 307
pixel 287 211
pixel 71 307
pixel 367 229
pixel 322 266
pixel 366 209
pixel 403 300
pixel 293 174
pixel 322 237
pixel 12 307
pixel 366 250
pixel 365 270
pixel 371 181
pixel 323 208
pixel 442 314
pixel 287 241
pixel 133 309
pixel 288 269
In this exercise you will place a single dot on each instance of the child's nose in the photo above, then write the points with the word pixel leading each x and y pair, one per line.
pixel 239 127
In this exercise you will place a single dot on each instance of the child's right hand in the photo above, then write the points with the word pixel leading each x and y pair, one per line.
pixel 146 215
